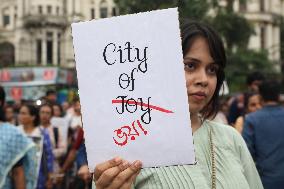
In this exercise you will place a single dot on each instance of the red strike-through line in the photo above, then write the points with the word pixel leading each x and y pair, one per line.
pixel 143 104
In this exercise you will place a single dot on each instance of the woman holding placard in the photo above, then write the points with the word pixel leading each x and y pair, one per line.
pixel 223 160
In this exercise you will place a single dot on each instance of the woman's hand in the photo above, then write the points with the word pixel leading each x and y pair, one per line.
pixel 49 183
pixel 116 173
pixel 84 173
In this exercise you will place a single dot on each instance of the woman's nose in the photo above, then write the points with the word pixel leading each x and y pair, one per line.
pixel 202 78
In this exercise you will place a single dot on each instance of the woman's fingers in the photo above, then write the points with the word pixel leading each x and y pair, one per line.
pixel 130 181
pixel 100 168
pixel 108 176
pixel 124 176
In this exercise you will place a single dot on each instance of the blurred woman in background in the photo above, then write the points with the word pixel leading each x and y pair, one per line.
pixel 252 103
pixel 29 121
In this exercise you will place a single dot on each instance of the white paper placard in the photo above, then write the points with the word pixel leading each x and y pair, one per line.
pixel 62 124
pixel 132 89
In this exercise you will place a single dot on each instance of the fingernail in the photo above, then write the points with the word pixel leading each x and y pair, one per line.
pixel 138 164
pixel 117 159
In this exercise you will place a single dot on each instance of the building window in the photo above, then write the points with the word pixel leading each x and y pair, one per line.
pixel 38 51
pixel 93 13
pixel 49 48
pixel 103 11
pixel 57 10
pixel 15 18
pixel 262 37
pixel 7 54
pixel 114 13
pixel 58 49
pixel 262 5
pixel 6 20
pixel 40 9
pixel 49 9
pixel 243 6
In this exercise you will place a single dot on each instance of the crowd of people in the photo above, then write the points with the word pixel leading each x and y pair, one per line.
pixel 54 141
pixel 238 145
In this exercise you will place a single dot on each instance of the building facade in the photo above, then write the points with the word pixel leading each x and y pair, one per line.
pixel 265 17
pixel 38 32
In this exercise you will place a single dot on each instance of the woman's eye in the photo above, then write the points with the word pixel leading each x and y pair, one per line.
pixel 189 66
pixel 213 69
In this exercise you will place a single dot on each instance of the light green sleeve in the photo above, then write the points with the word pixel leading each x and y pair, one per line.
pixel 250 171
pixel 94 185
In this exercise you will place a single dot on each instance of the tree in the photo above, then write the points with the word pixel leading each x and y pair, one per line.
pixel 194 9
pixel 235 29
pixel 282 49
pixel 244 61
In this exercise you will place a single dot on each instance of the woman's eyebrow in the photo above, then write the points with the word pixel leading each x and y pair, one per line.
pixel 197 60
pixel 192 59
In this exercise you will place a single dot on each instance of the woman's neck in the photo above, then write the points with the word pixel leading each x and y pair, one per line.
pixel 195 122
pixel 28 128
pixel 45 125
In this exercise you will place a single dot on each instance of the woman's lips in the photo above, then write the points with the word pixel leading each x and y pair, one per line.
pixel 198 96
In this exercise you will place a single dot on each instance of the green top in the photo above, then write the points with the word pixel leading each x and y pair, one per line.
pixel 235 168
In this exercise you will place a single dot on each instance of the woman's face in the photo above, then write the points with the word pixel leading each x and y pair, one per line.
pixel 254 103
pixel 9 113
pixel 45 114
pixel 56 111
pixel 25 118
pixel 200 74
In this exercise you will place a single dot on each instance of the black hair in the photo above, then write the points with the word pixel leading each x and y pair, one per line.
pixel 254 76
pixel 270 90
pixel 2 101
pixel 247 97
pixel 48 105
pixel 50 92
pixel 76 99
pixel 33 111
pixel 59 106
pixel 190 30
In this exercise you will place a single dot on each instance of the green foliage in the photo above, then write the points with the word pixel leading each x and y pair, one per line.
pixel 234 28
pixel 194 9
pixel 243 62
pixel 282 38
pixel 282 50
pixel 135 6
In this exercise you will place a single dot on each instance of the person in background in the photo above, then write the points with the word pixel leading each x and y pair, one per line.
pixel 61 123
pixel 51 97
pixel 252 103
pixel 58 145
pixel 29 124
pixel 57 110
pixel 78 154
pixel 77 151
pixel 10 115
pixel 74 115
pixel 65 106
pixel 263 132
pixel 237 107
pixel 17 168
pixel 17 105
